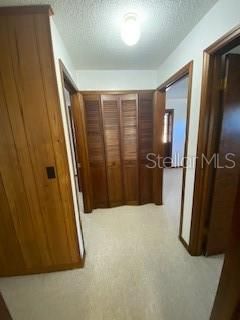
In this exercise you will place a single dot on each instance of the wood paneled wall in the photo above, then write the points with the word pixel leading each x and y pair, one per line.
pixel 120 135
pixel 37 229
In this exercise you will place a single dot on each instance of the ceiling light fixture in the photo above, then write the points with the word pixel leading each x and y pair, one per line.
pixel 131 30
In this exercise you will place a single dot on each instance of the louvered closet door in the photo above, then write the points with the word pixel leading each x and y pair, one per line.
pixel 96 150
pixel 112 138
pixel 129 146
pixel 145 113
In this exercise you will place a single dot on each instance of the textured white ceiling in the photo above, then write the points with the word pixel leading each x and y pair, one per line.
pixel 91 29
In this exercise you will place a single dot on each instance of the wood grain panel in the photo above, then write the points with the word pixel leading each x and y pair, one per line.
pixel 99 185
pixel 129 146
pixel 112 140
pixel 9 90
pixel 116 195
pixel 145 116
pixel 44 47
pixel 15 190
pixel 96 150
pixel 37 217
pixel 226 179
pixel 158 147
pixel 9 262
pixel 227 305
pixel 28 72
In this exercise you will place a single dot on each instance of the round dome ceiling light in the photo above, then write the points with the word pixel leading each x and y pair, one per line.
pixel 130 30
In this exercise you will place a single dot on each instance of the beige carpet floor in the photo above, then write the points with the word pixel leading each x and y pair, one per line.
pixel 136 269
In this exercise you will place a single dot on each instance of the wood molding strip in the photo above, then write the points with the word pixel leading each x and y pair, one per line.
pixel 184 71
pixel 22 10
pixel 114 92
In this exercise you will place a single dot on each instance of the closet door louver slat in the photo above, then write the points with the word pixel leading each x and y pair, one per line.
pixel 111 127
pixel 96 151
pixel 145 146
pixel 129 142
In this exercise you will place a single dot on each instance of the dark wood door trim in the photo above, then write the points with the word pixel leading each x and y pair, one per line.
pixel 82 150
pixel 227 301
pixel 225 180
pixel 114 92
pixel 159 99
pixel 186 70
pixel 4 312
pixel 18 10
pixel 67 80
pixel 207 141
pixel 181 73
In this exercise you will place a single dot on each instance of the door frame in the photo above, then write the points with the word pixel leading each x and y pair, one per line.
pixel 69 84
pixel 227 302
pixel 170 111
pixel 186 70
pixel 207 136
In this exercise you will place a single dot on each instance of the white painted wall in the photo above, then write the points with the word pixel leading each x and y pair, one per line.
pixel 60 52
pixel 116 79
pixel 224 16
pixel 176 98
pixel 179 126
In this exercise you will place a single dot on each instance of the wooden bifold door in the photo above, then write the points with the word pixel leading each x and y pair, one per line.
pixel 120 135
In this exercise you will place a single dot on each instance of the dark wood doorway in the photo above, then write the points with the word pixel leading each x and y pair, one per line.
pixel 227 302
pixel 225 180
pixel 74 111
pixel 76 160
pixel 213 124
pixel 215 190
pixel 182 73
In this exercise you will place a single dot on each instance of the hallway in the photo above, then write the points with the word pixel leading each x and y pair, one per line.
pixel 135 269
